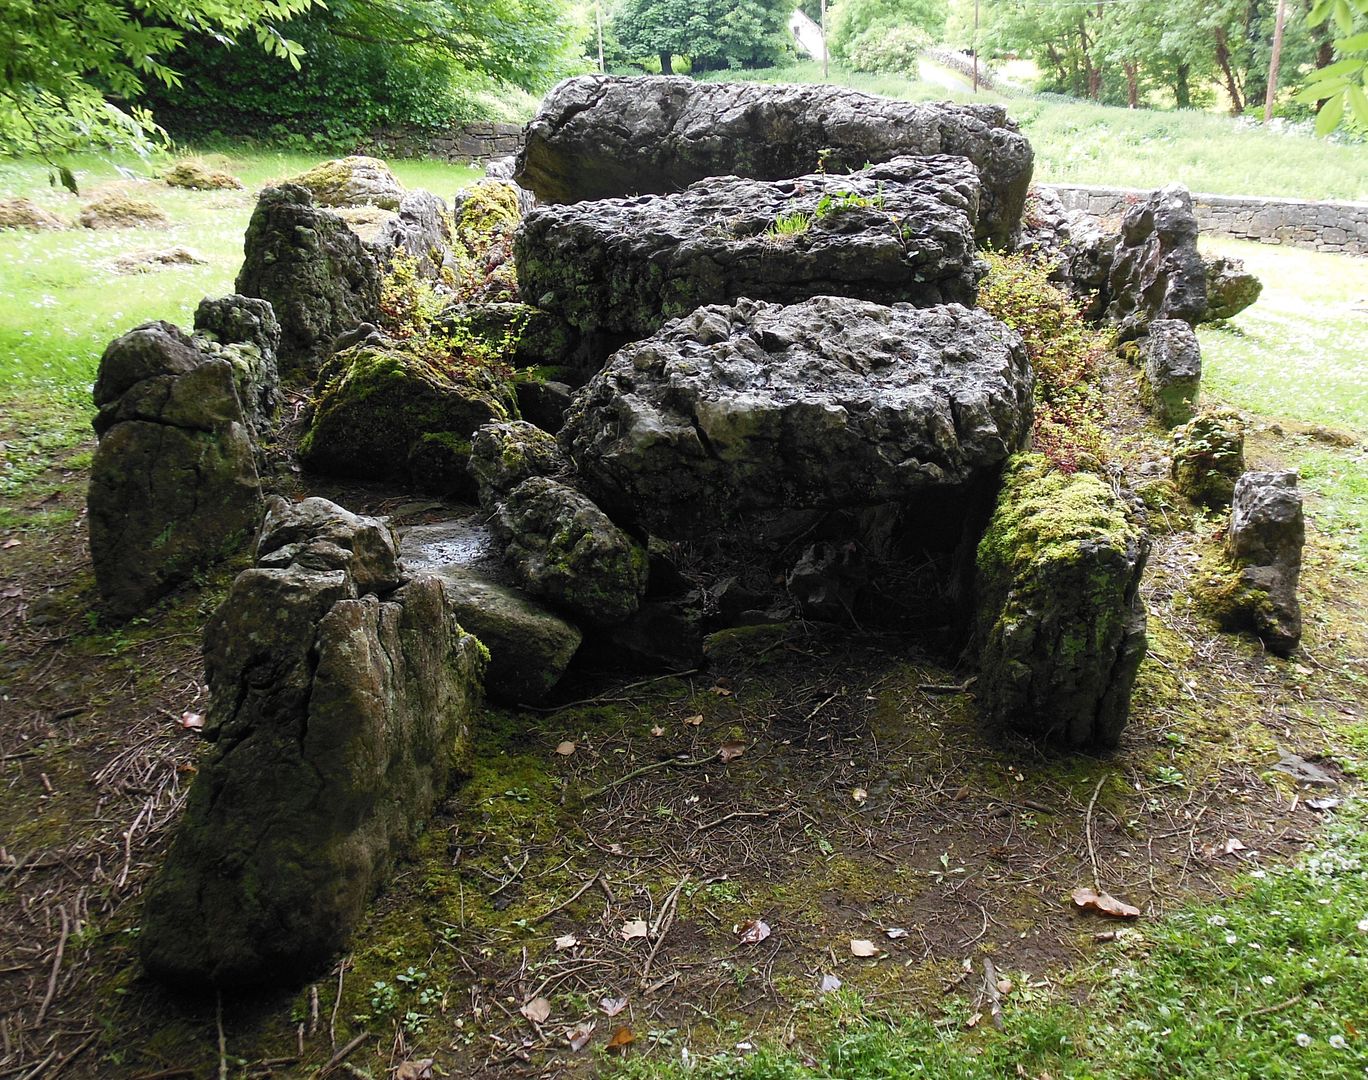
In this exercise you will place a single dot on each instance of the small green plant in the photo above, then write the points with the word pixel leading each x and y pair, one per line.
pixel 833 202
pixel 786 225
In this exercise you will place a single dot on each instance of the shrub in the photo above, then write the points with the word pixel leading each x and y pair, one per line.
pixel 886 49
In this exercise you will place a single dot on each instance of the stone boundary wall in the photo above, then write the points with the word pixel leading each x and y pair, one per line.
pixel 1323 226
pixel 463 144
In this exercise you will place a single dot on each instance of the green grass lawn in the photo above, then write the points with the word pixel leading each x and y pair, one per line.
pixel 1080 143
pixel 61 301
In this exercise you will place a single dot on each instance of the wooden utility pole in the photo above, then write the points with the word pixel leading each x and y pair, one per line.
pixel 1274 61
pixel 826 53
pixel 598 22
pixel 973 44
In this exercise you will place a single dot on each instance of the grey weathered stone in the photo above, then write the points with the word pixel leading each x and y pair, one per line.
pixel 352 181
pixel 1264 543
pixel 544 402
pixel 833 402
pixel 900 231
pixel 338 720
pixel 317 534
pixel 1173 370
pixel 1230 288
pixel 598 137
pixel 564 549
pixel 1208 457
pixel 1156 272
pixel 1061 624
pixel 502 456
pixel 243 330
pixel 318 276
pixel 173 484
pixel 421 230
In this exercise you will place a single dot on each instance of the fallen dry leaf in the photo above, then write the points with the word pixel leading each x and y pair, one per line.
pixel 973 1020
pixel 634 928
pixel 1231 846
pixel 537 1010
pixel 896 933
pixel 752 931
pixel 730 751
pixel 863 947
pixel 1103 903
pixel 578 1036
pixel 1004 986
pixel 568 941
pixel 565 749
pixel 11 543
pixel 860 795
pixel 622 1038
pixel 192 721
pixel 695 720
pixel 657 731
pixel 414 1070
pixel 612 1006
pixel 720 691
pixel 829 984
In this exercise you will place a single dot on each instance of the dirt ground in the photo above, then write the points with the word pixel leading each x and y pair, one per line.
pixel 860 801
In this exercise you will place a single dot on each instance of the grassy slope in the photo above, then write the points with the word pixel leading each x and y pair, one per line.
pixel 1077 142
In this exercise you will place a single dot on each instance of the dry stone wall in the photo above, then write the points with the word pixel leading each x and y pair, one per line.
pixel 1322 226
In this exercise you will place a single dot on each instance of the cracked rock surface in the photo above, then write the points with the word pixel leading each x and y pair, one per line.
pixel 599 136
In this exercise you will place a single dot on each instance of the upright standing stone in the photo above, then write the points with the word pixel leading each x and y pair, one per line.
pixel 1173 370
pixel 1156 272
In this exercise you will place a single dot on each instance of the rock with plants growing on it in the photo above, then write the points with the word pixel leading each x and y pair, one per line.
pixel 1173 370
pixel 29 216
pixel 197 174
pixel 117 210
pixel 244 330
pixel 340 711
pixel 564 549
pixel 1257 590
pixel 406 411
pixel 1061 624
pixel 318 276
pixel 524 335
pixel 352 181
pixel 1230 288
pixel 174 485
pixel 901 231
pixel 1208 457
pixel 484 217
pixel 504 455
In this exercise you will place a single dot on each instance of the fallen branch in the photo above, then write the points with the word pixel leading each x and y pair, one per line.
pixel 341 1056
pixel 682 763
pixel 948 688
pixel 56 968
pixel 994 996
pixel 662 927
pixel 1087 832
pixel 607 697
pixel 566 903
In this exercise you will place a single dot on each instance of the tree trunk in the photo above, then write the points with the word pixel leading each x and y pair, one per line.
pixel 665 66
pixel 1132 84
pixel 1182 91
pixel 1094 82
pixel 1232 84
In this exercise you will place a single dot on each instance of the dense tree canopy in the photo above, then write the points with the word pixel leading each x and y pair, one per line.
pixel 69 64
pixel 710 33
pixel 884 35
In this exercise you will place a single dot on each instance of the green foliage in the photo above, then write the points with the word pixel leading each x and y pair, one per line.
pixel 712 34
pixel 1065 352
pixel 884 35
pixel 1341 88
pixel 794 224
pixel 67 62
pixel 370 65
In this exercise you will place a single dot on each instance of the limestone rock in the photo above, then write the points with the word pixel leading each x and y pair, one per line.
pixel 318 276
pixel 320 535
pixel 1155 271
pixel 563 548
pixel 599 137
pixel 150 260
pixel 833 402
pixel 900 231
pixel 173 484
pixel 243 330
pixel 199 175
pixel 352 181
pixel 1173 370
pixel 383 412
pixel 525 336
pixel 544 402
pixel 1061 625
pixel 1264 546
pixel 1230 288
pixel 339 720
pixel 116 210
pixel 421 230
pixel 504 455
pixel 1208 457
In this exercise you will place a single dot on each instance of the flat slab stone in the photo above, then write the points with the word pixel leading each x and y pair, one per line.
pixel 833 402
pixel 598 137
pixel 900 231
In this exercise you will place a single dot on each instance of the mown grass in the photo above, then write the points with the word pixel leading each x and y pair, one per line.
pixel 1264 985
pixel 1081 143
pixel 61 301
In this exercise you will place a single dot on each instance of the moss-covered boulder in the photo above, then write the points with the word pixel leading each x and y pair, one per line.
pixel 196 174
pixel 1173 370
pixel 1208 457
pixel 29 216
pixel 504 455
pixel 485 210
pixel 339 718
pixel 383 412
pixel 525 335
pixel 319 277
pixel 117 210
pixel 566 550
pixel 1061 625
pixel 352 181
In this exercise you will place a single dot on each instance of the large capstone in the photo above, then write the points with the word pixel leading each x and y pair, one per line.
pixel 420 232
pixel 382 411
pixel 319 277
pixel 831 403
pixel 1061 625
pixel 1156 272
pixel 901 231
pixel 339 718
pixel 600 137
pixel 564 549
pixel 351 182
pixel 174 485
